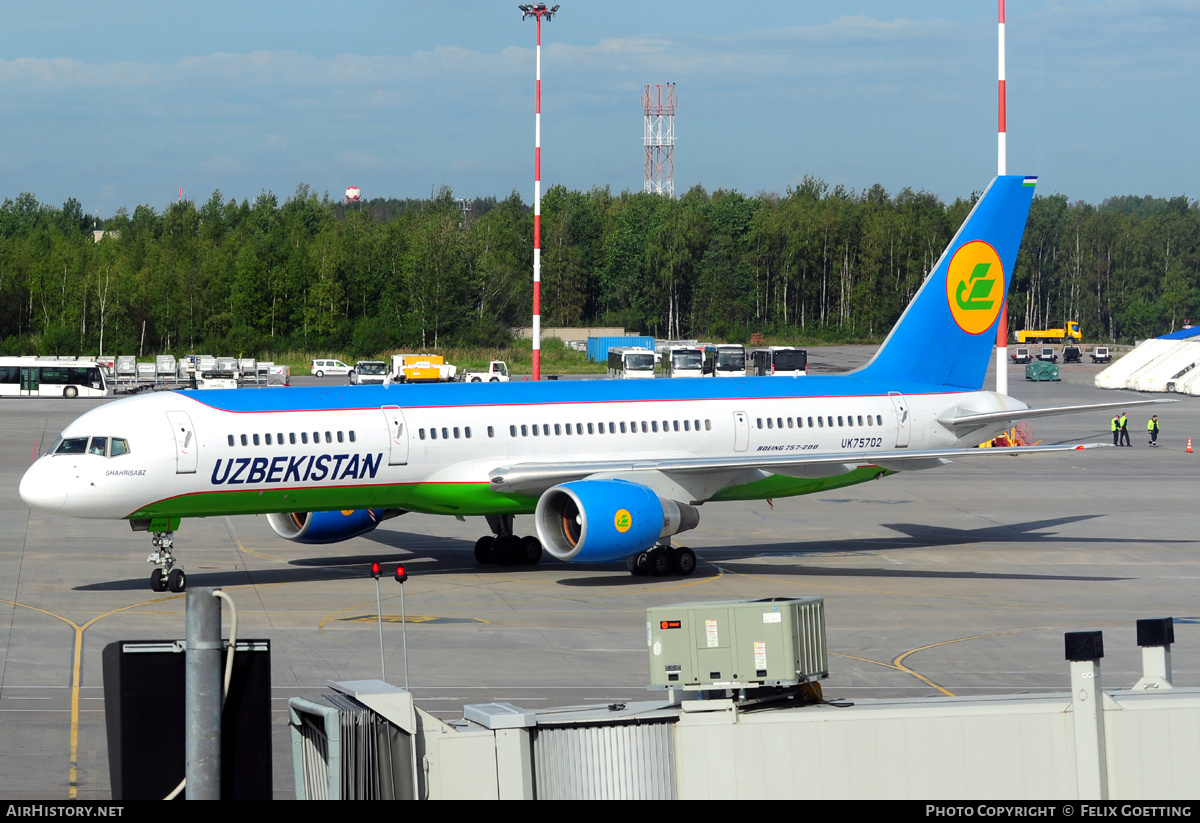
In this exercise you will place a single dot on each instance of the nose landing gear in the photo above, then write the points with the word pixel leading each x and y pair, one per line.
pixel 168 577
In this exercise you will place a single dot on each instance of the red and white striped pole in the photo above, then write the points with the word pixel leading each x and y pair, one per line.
pixel 1002 168
pixel 537 11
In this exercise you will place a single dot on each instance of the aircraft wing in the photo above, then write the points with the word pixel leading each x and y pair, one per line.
pixel 534 478
pixel 961 418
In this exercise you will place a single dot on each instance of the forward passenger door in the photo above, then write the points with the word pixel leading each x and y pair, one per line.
pixel 186 448
pixel 397 436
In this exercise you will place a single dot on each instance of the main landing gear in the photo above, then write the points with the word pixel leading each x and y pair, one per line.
pixel 168 577
pixel 663 560
pixel 505 548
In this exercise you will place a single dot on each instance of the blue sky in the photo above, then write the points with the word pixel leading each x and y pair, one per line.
pixel 123 102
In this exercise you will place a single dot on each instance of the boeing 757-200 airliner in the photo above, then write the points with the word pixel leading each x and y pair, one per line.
pixel 609 469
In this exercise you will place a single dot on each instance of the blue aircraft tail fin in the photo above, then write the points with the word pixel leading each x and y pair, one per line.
pixel 945 336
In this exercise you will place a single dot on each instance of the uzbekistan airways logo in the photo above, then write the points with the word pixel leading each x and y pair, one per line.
pixel 975 286
pixel 623 521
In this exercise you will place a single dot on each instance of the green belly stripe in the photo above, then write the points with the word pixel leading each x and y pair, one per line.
pixel 427 498
pixel 777 485
pixel 466 499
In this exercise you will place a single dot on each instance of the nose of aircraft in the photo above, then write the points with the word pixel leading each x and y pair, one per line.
pixel 40 489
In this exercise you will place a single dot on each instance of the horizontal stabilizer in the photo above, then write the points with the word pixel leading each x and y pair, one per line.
pixel 985 418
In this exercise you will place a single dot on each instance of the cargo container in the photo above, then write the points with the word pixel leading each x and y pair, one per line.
pixel 597 347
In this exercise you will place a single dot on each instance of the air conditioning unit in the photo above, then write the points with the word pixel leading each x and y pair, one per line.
pixel 737 644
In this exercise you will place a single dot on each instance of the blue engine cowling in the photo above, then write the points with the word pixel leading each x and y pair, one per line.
pixel 328 527
pixel 597 521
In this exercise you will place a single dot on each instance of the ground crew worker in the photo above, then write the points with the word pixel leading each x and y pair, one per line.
pixel 1125 430
pixel 1116 429
pixel 1152 428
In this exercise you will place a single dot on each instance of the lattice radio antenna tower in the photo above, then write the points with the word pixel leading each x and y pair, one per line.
pixel 658 136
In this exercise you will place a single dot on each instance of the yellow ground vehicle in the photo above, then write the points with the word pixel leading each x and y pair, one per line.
pixel 422 368
pixel 1070 332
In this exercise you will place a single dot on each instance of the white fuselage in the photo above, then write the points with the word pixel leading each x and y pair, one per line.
pixel 187 455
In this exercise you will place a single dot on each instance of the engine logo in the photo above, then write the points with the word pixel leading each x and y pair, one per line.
pixel 975 286
pixel 623 521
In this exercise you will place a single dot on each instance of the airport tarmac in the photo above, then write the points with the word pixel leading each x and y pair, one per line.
pixel 960 580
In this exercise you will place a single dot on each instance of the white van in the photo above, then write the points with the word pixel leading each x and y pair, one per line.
pixel 320 368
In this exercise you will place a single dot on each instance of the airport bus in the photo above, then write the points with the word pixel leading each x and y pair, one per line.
pixel 630 362
pixel 726 360
pixel 684 361
pixel 781 361
pixel 40 377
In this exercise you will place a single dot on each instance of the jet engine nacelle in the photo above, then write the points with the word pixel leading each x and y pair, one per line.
pixel 328 527
pixel 597 521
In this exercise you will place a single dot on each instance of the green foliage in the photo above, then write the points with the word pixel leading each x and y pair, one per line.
pixel 817 264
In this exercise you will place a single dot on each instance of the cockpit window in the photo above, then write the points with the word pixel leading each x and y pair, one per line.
pixel 102 446
pixel 72 445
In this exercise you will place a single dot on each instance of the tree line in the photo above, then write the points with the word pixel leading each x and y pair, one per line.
pixel 817 264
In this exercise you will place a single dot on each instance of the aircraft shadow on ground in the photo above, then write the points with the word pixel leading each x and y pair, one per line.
pixel 435 555
pixel 747 559
pixel 431 554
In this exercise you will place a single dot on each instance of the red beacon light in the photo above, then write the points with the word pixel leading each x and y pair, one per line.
pixel 401 575
pixel 376 570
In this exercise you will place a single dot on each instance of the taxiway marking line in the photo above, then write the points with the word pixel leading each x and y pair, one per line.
pixel 76 673
pixel 898 662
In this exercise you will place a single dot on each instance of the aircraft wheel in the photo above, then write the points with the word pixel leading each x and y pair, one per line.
pixel 176 580
pixel 509 550
pixel 637 564
pixel 658 561
pixel 684 562
pixel 531 549
pixel 158 581
pixel 485 550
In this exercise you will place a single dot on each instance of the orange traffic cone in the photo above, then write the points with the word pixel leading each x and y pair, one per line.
pixel 1189 449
